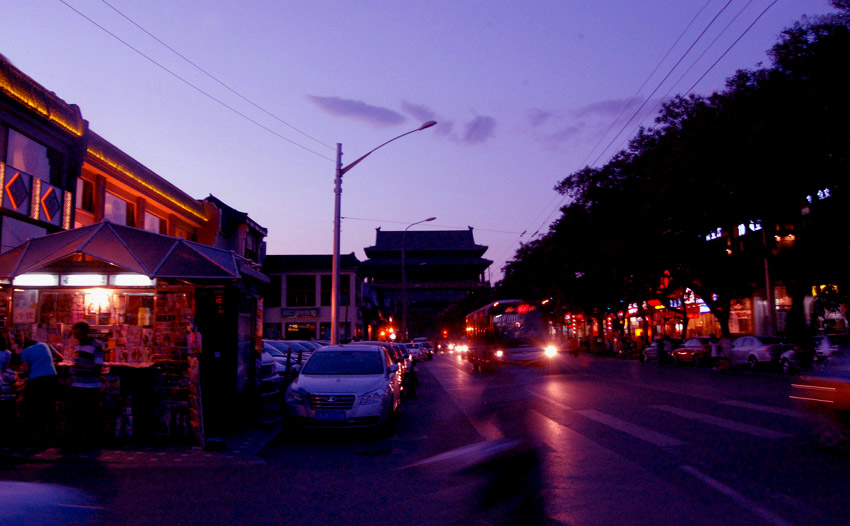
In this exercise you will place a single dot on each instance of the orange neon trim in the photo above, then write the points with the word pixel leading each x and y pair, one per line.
pixel 9 191
pixel 44 206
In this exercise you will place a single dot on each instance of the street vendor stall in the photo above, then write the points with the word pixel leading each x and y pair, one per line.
pixel 142 294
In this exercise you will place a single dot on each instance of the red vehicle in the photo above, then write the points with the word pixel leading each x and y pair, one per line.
pixel 694 350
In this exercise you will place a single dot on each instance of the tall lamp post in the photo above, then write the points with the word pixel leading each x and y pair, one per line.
pixel 404 279
pixel 340 171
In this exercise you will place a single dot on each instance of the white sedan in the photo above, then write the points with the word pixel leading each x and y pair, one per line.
pixel 352 385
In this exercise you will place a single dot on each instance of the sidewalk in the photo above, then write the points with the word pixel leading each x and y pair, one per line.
pixel 240 449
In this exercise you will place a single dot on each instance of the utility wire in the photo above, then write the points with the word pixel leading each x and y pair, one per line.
pixel 210 75
pixel 196 88
pixel 685 54
pixel 629 103
pixel 722 55
pixel 636 93
pixel 733 44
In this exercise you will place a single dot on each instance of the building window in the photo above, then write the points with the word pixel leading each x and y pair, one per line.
pixel 26 155
pixel 118 210
pixel 155 224
pixel 273 296
pixel 344 290
pixel 182 233
pixel 252 247
pixel 301 291
pixel 85 195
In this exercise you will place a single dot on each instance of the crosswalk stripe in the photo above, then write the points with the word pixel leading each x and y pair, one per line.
pixel 769 516
pixel 723 422
pixel 634 430
pixel 766 408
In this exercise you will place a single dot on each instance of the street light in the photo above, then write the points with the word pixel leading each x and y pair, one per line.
pixel 340 171
pixel 404 280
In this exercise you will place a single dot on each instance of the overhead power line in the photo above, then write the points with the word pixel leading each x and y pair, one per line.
pixel 210 75
pixel 563 200
pixel 196 88
pixel 685 54
pixel 637 92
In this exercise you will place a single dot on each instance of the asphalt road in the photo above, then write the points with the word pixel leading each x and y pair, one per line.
pixel 608 442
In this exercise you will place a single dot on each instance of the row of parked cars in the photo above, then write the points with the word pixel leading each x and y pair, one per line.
pixel 752 351
pixel 360 384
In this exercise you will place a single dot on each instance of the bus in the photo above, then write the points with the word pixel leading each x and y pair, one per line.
pixel 515 332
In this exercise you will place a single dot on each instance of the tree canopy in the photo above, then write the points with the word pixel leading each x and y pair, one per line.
pixel 769 152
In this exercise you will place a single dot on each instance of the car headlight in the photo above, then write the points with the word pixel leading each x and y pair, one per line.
pixel 551 351
pixel 500 353
pixel 373 397
pixel 295 396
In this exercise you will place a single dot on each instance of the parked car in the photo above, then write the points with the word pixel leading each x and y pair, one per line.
pixel 427 345
pixel 827 345
pixel 797 359
pixel 268 390
pixel 400 356
pixel 282 363
pixel 650 354
pixel 694 350
pixel 353 385
pixel 416 350
pixel 757 351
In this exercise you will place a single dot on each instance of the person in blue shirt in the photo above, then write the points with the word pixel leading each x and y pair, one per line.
pixel 37 366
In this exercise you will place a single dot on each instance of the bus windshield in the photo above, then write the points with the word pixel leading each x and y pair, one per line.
pixel 517 329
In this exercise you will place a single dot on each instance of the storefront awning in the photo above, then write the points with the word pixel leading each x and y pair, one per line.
pixel 130 249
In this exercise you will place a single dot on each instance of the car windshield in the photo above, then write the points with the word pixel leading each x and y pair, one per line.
pixel 344 362
pixel 274 352
pixel 769 340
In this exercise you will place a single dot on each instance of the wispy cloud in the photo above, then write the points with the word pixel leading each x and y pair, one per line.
pixel 608 108
pixel 564 134
pixel 419 112
pixel 538 117
pixel 478 130
pixel 357 109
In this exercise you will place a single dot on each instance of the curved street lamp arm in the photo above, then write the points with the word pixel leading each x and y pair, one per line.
pixel 353 164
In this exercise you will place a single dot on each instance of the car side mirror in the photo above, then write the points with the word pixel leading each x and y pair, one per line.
pixel 296 368
pixel 393 368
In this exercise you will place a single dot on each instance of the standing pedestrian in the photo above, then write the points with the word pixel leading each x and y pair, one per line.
pixel 714 344
pixel 37 366
pixel 84 420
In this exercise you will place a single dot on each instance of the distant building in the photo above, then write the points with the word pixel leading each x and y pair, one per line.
pixel 235 231
pixel 441 267
pixel 297 305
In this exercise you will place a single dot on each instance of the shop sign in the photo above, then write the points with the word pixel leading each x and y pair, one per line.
pixel 299 313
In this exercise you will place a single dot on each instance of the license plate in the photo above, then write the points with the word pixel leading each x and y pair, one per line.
pixel 330 416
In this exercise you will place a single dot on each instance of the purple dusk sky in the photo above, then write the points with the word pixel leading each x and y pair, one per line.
pixel 524 94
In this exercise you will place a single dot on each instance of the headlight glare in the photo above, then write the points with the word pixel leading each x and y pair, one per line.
pixel 551 351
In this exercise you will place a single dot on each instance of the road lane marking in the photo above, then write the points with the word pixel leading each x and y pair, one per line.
pixel 770 517
pixel 551 401
pixel 766 408
pixel 724 423
pixel 634 430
